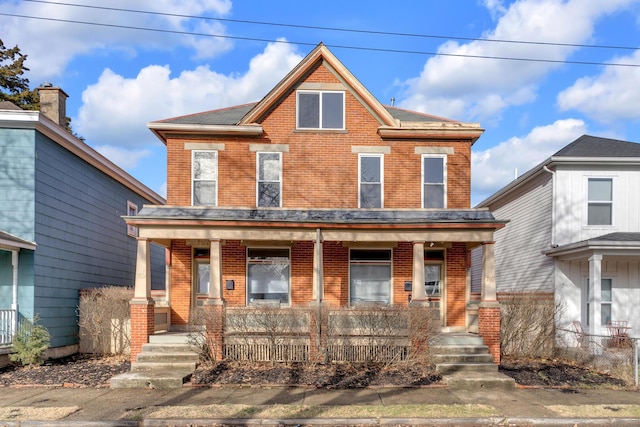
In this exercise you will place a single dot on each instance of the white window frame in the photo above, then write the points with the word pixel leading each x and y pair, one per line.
pixel 249 301
pixel 444 178
pixel 132 210
pixel 609 302
pixel 372 262
pixel 193 178
pixel 381 183
pixel 610 202
pixel 320 95
pixel 258 181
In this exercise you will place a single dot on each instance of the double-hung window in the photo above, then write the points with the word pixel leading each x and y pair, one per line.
pixel 434 178
pixel 600 201
pixel 371 167
pixel 606 293
pixel 320 109
pixel 204 177
pixel 370 276
pixel 269 180
pixel 132 210
pixel 268 275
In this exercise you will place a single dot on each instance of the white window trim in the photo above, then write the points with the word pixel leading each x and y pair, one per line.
pixel 444 176
pixel 193 156
pixel 613 201
pixel 373 248
pixel 132 230
pixel 381 156
pixel 248 285
pixel 320 92
pixel 258 175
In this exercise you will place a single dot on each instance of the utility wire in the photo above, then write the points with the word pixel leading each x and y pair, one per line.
pixel 362 48
pixel 348 30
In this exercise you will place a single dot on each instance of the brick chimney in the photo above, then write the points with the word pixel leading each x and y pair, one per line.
pixel 53 103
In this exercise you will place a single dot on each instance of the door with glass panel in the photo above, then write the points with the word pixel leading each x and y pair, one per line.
pixel 201 276
pixel 433 281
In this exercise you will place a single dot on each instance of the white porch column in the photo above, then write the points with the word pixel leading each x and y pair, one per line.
pixel 418 292
pixel 488 290
pixel 215 270
pixel 143 271
pixel 14 301
pixel 318 281
pixel 595 294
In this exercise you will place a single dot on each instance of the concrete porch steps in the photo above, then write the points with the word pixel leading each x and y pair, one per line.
pixel 167 361
pixel 465 363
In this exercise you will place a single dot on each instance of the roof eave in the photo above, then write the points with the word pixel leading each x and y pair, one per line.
pixel 162 129
pixel 434 130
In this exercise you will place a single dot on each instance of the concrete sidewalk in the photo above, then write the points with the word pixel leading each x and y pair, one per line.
pixel 134 407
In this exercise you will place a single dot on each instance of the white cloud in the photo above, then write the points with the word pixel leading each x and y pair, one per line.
pixel 483 88
pixel 115 109
pixel 52 42
pixel 126 159
pixel 608 97
pixel 495 167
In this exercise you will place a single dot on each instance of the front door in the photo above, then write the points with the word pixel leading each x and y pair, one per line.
pixel 434 288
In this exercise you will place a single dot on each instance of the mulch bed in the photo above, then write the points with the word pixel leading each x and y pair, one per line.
pixel 86 371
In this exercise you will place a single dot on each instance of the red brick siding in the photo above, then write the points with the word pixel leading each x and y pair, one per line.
pixel 456 284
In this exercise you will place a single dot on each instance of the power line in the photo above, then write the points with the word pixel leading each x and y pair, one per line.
pixel 348 30
pixel 362 48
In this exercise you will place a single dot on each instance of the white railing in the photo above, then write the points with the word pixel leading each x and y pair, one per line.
pixel 7 323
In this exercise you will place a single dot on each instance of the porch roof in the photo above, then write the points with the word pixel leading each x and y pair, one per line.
pixel 316 216
pixel 619 243
pixel 12 243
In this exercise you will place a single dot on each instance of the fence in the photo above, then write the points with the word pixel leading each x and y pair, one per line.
pixel 602 351
pixel 7 326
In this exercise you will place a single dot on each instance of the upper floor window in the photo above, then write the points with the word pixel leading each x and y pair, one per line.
pixel 132 210
pixel 370 182
pixel 434 178
pixel 320 110
pixel 600 201
pixel 205 178
pixel 269 180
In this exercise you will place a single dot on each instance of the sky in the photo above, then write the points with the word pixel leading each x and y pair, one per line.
pixel 574 67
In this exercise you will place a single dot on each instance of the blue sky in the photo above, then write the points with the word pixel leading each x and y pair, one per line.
pixel 118 79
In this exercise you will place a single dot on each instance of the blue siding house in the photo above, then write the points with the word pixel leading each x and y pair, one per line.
pixel 61 226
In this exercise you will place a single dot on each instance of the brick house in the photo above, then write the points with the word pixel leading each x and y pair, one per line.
pixel 317 194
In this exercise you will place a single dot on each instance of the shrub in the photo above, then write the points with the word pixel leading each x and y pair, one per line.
pixel 104 320
pixel 30 343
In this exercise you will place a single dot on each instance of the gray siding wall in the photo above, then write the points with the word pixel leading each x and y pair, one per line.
pixel 520 266
pixel 82 239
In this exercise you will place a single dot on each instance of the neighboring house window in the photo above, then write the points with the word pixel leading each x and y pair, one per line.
pixel 600 201
pixel 606 293
pixel 205 178
pixel 132 210
pixel 269 180
pixel 370 276
pixel 371 167
pixel 320 110
pixel 268 275
pixel 434 178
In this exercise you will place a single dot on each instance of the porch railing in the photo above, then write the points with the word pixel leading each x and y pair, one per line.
pixel 7 322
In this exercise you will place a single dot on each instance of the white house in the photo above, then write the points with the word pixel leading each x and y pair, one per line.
pixel 574 231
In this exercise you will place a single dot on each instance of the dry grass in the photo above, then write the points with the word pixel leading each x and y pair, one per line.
pixel 320 411
pixel 23 413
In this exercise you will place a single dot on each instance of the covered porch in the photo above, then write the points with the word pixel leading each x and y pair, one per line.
pixel 338 258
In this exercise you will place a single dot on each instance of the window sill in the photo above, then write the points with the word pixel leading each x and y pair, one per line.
pixel 341 131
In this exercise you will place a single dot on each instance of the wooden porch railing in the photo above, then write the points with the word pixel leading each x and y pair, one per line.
pixel 7 324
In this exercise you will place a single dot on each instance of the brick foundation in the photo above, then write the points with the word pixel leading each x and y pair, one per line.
pixel 142 324
pixel 489 327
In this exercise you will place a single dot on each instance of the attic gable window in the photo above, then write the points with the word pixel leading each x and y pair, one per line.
pixel 320 109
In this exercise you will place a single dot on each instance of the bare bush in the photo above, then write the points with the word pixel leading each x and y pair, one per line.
pixel 528 324
pixel 104 320
pixel 204 326
pixel 267 333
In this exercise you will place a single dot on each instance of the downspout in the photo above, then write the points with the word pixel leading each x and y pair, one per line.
pixel 553 205
pixel 320 291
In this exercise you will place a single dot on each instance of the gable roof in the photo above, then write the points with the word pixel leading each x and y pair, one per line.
pixel 593 146
pixel 246 119
pixel 585 149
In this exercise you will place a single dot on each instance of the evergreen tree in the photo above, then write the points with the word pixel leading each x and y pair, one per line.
pixel 13 86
